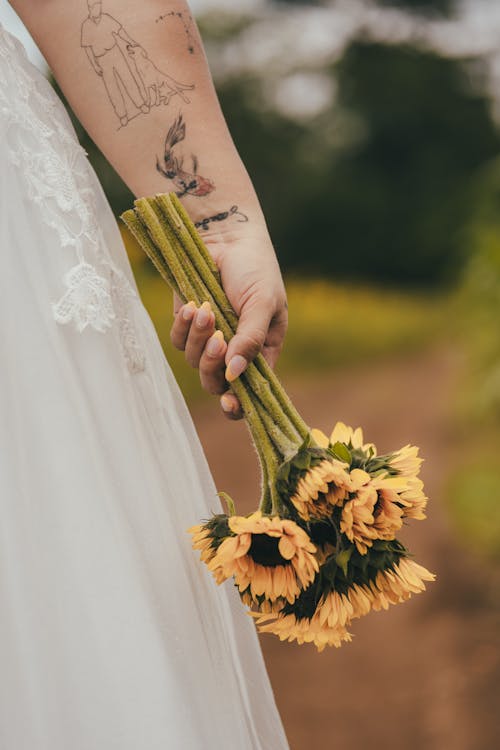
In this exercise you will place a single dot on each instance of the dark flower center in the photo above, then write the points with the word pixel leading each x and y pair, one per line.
pixel 264 551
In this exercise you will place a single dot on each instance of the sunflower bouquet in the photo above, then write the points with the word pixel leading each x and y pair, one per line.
pixel 321 549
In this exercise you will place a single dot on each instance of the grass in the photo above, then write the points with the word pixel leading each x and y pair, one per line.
pixel 331 324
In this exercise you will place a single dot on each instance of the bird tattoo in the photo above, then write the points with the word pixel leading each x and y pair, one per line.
pixel 187 183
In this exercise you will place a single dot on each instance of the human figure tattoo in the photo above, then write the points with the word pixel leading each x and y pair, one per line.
pixel 171 167
pixel 132 82
pixel 190 39
pixel 233 211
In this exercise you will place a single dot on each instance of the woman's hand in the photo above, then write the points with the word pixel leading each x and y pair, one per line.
pixel 252 281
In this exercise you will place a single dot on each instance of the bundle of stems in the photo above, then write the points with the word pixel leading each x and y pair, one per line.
pixel 164 230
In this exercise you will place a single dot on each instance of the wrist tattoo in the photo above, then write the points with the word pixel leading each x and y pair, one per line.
pixel 132 82
pixel 233 211
pixel 171 167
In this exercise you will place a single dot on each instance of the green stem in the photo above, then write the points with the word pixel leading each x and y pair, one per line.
pixel 198 279
pixel 157 234
pixel 284 445
pixel 193 232
pixel 140 232
pixel 191 251
pixel 262 389
pixel 281 395
pixel 265 504
pixel 269 458
pixel 194 278
pixel 276 451
pixel 286 448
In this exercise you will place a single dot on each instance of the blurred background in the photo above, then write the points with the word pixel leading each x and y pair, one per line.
pixel 372 133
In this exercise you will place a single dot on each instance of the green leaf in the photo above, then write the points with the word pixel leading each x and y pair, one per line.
pixel 341 451
pixel 284 471
pixel 342 559
pixel 302 460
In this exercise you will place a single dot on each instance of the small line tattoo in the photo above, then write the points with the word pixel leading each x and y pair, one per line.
pixel 171 167
pixel 132 81
pixel 233 211
pixel 190 39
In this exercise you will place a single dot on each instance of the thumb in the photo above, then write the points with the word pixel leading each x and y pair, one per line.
pixel 250 336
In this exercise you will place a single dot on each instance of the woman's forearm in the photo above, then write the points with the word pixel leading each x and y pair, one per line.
pixel 137 78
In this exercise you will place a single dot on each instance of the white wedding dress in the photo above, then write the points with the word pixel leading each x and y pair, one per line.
pixel 113 636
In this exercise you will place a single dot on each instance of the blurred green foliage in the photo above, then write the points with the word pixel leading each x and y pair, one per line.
pixel 474 489
pixel 426 6
pixel 393 206
pixel 473 501
pixel 479 304
pixel 334 325
pixel 476 509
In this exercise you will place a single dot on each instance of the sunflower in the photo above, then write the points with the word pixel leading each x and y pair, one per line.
pixel 406 461
pixel 305 630
pixel 394 585
pixel 261 604
pixel 377 509
pixel 388 518
pixel 203 541
pixel 413 499
pixel 328 624
pixel 407 491
pixel 398 583
pixel 342 433
pixel 269 557
pixel 207 538
pixel 358 518
pixel 324 486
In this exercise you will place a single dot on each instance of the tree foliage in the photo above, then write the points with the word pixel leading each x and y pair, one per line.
pixel 393 204
pixel 426 6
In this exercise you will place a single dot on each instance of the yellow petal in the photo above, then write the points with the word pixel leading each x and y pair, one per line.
pixel 341 433
pixel 320 438
pixel 286 548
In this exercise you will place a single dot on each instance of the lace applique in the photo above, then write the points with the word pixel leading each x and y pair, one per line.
pixel 87 301
pixel 44 146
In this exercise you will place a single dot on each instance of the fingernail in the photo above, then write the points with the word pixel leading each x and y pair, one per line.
pixel 215 344
pixel 226 403
pixel 203 315
pixel 189 311
pixel 235 367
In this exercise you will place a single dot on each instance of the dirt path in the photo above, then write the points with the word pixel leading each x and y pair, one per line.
pixel 426 674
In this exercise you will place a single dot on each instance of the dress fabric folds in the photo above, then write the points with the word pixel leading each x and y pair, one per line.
pixel 113 636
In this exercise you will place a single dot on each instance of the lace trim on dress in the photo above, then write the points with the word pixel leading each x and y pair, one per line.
pixel 122 292
pixel 57 174
pixel 87 301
